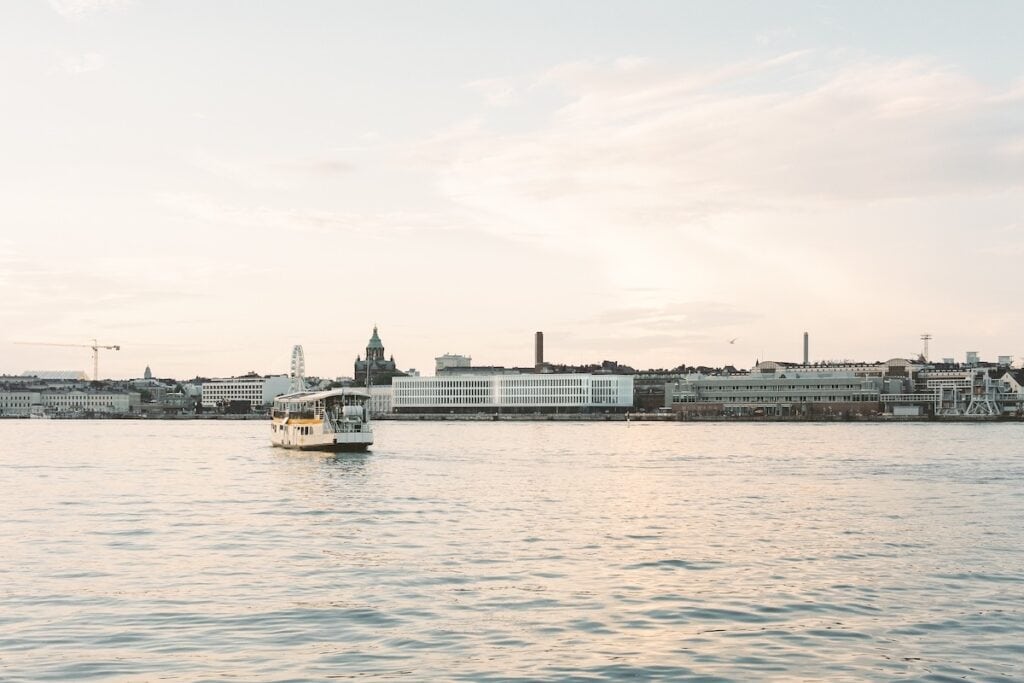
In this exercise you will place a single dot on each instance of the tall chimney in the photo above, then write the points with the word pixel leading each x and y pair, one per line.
pixel 538 349
pixel 807 358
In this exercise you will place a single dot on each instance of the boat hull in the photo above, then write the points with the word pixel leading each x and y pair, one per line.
pixel 293 438
pixel 328 447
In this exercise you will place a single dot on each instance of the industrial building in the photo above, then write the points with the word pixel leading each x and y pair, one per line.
pixel 960 392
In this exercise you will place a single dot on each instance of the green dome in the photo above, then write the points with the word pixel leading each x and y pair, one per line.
pixel 375 342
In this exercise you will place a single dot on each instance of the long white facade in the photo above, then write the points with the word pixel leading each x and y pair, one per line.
pixel 548 392
pixel 258 391
pixel 783 393
pixel 74 401
pixel 19 403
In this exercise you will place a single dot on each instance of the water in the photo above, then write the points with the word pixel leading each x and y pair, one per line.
pixel 499 551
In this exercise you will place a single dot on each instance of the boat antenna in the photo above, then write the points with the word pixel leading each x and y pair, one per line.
pixel 369 386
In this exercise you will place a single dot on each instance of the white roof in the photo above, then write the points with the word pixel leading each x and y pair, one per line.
pixel 312 396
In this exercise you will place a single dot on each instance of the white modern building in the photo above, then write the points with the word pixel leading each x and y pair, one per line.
pixel 380 399
pixel 513 392
pixel 256 389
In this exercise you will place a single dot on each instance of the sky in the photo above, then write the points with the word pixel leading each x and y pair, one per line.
pixel 209 183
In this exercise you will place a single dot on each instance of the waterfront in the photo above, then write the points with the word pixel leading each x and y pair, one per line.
pixel 501 551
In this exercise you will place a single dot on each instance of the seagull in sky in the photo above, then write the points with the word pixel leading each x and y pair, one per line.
pixel 733 340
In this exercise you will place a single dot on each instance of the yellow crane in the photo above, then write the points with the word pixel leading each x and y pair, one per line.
pixel 95 346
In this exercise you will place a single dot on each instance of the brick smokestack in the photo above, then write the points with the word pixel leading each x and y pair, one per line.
pixel 807 349
pixel 538 349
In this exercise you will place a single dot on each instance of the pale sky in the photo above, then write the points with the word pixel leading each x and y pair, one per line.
pixel 208 183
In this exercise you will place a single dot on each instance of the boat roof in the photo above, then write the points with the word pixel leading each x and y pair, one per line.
pixel 313 396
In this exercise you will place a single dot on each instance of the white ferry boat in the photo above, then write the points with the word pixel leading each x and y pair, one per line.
pixel 335 420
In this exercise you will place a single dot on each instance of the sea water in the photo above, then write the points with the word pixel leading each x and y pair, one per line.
pixel 192 550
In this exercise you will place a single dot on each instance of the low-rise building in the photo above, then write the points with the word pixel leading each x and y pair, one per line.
pixel 258 390
pixel 18 403
pixel 78 401
pixel 452 360
pixel 769 392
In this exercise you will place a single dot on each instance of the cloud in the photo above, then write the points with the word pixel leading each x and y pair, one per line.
pixel 804 182
pixel 694 314
pixel 209 211
pixel 319 167
pixel 83 63
pixel 774 36
pixel 44 297
pixel 687 162
pixel 656 149
pixel 75 9
pixel 272 174
pixel 497 92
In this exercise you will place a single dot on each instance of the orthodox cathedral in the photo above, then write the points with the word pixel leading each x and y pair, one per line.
pixel 381 371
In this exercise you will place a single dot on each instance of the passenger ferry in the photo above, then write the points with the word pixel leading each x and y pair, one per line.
pixel 335 420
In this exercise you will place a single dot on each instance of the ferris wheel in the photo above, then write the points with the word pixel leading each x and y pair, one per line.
pixel 298 373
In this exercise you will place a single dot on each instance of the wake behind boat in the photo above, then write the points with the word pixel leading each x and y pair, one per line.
pixel 335 420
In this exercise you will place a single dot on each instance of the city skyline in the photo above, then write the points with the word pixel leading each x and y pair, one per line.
pixel 207 185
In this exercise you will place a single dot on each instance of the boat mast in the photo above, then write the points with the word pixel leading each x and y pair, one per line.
pixel 369 390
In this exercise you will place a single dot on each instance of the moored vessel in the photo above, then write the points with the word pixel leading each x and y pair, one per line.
pixel 335 420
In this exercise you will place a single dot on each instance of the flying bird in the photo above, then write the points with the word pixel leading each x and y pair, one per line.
pixel 733 340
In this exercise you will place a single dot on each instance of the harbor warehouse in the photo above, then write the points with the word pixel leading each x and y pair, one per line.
pixel 513 393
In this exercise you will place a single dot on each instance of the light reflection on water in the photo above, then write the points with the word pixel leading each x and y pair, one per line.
pixel 500 551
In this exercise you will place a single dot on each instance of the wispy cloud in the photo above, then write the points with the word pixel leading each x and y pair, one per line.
pixel 637 142
pixel 74 9
pixel 497 92
pixel 693 314
pixel 209 211
pixel 81 63
pixel 674 159
pixel 269 174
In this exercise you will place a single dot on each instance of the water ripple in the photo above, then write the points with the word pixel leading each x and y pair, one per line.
pixel 513 552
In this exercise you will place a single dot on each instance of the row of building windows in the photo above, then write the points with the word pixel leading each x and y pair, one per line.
pixel 537 382
pixel 401 391
pixel 708 386
pixel 850 398
pixel 225 390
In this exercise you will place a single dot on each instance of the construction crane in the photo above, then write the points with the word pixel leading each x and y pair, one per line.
pixel 95 346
